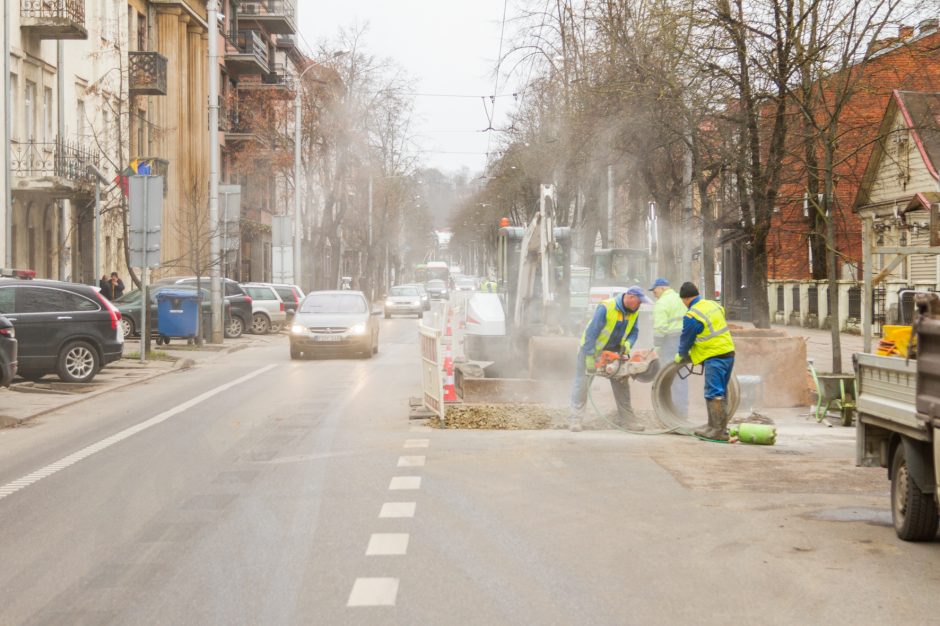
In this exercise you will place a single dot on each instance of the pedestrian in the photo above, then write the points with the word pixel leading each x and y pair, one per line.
pixel 113 287
pixel 668 313
pixel 613 328
pixel 706 339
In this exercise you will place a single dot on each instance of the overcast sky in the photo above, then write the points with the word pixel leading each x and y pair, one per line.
pixel 448 46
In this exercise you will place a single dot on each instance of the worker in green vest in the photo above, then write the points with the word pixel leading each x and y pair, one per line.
pixel 668 313
pixel 706 339
pixel 613 328
pixel 489 286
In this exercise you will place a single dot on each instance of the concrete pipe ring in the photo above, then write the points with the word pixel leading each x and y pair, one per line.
pixel 666 410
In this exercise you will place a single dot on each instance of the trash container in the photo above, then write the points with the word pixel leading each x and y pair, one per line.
pixel 177 313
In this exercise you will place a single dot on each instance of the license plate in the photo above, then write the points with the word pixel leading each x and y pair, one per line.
pixel 326 338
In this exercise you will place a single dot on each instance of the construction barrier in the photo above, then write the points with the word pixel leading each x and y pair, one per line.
pixel 432 383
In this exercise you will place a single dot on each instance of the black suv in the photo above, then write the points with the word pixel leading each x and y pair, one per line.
pixel 61 327
pixel 241 313
pixel 7 352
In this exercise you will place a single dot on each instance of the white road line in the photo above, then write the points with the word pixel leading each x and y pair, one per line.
pixel 417 443
pixel 387 544
pixel 405 483
pixel 398 509
pixel 411 461
pixel 84 453
pixel 373 592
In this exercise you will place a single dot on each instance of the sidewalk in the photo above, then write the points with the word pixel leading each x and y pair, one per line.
pixel 25 400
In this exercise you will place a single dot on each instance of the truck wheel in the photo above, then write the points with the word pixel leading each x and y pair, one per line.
pixel 914 512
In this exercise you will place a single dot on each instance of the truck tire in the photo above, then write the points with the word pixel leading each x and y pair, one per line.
pixel 913 511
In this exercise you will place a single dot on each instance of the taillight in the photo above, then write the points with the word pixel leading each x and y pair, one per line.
pixel 249 299
pixel 282 306
pixel 115 314
pixel 8 332
pixel 296 295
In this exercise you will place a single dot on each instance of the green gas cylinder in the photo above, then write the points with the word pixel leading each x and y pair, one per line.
pixel 760 434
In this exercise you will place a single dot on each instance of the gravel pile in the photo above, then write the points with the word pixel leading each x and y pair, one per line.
pixel 501 417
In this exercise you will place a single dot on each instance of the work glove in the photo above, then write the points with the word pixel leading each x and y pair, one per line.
pixel 589 364
pixel 679 358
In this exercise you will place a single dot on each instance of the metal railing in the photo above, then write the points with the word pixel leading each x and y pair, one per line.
pixel 275 8
pixel 59 158
pixel 250 42
pixel 72 10
pixel 147 72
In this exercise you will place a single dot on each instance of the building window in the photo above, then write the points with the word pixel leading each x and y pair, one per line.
pixel 82 122
pixel 141 32
pixel 142 132
pixel 47 115
pixel 29 110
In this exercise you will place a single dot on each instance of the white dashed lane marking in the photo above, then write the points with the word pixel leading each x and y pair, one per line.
pixel 417 443
pixel 405 483
pixel 398 509
pixel 411 461
pixel 373 592
pixel 387 544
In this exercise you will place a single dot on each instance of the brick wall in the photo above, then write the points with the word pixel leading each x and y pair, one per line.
pixel 914 66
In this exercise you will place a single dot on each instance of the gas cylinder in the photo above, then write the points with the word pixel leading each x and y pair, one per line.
pixel 760 434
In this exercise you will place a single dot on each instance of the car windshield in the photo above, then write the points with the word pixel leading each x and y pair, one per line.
pixel 129 298
pixel 466 282
pixel 333 303
pixel 404 291
pixel 435 284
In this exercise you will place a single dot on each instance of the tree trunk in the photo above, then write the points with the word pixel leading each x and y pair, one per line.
pixel 831 263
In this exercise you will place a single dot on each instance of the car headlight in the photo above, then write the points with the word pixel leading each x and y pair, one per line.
pixel 358 329
pixel 297 329
pixel 389 303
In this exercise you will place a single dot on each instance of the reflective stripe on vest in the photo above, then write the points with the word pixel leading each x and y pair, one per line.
pixel 715 338
pixel 613 317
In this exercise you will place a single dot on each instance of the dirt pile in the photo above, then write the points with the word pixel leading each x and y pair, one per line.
pixel 501 417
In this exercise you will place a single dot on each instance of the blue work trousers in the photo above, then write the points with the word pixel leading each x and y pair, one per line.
pixel 667 350
pixel 582 382
pixel 717 376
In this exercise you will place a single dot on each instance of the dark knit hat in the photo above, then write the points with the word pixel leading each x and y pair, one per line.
pixel 688 290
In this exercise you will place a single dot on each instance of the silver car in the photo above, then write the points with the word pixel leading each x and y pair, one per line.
pixel 332 322
pixel 404 300
pixel 267 309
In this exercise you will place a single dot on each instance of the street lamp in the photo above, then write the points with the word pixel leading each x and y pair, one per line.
pixel 298 119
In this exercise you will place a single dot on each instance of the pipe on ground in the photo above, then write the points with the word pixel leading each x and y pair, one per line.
pixel 666 410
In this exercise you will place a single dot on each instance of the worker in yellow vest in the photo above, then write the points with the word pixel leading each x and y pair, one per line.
pixel 706 339
pixel 613 328
pixel 668 313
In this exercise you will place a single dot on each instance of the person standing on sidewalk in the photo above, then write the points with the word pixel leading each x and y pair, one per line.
pixel 706 339
pixel 613 328
pixel 668 313
pixel 113 288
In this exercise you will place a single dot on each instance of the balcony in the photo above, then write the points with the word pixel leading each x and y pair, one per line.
pixel 278 83
pixel 277 17
pixel 234 128
pixel 58 168
pixel 54 19
pixel 286 42
pixel 147 73
pixel 247 54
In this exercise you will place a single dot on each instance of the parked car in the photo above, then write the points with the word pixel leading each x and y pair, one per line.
pixel 291 295
pixel 333 322
pixel 240 319
pixel 129 306
pixel 61 327
pixel 437 289
pixel 7 351
pixel 403 300
pixel 267 309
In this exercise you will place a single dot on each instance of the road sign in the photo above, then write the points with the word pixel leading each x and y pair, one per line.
pixel 145 205
pixel 282 231
pixel 282 264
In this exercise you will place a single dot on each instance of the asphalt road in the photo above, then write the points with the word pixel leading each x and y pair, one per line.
pixel 257 490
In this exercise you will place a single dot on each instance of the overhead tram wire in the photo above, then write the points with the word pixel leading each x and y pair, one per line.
pixel 491 113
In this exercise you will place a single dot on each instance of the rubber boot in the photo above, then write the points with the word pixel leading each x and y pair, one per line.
pixel 717 421
pixel 574 423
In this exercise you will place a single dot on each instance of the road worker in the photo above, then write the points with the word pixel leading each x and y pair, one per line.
pixel 613 328
pixel 706 339
pixel 668 313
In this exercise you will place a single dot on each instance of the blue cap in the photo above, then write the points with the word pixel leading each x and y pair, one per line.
pixel 660 282
pixel 637 291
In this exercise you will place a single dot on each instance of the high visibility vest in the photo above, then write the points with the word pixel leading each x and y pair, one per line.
pixel 613 317
pixel 668 313
pixel 715 338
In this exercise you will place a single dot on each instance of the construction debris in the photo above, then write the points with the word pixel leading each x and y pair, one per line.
pixel 500 417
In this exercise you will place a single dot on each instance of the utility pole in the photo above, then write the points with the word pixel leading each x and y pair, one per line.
pixel 610 206
pixel 60 145
pixel 298 120
pixel 7 135
pixel 214 244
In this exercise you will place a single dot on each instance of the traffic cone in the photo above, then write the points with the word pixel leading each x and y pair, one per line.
pixel 448 330
pixel 450 391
